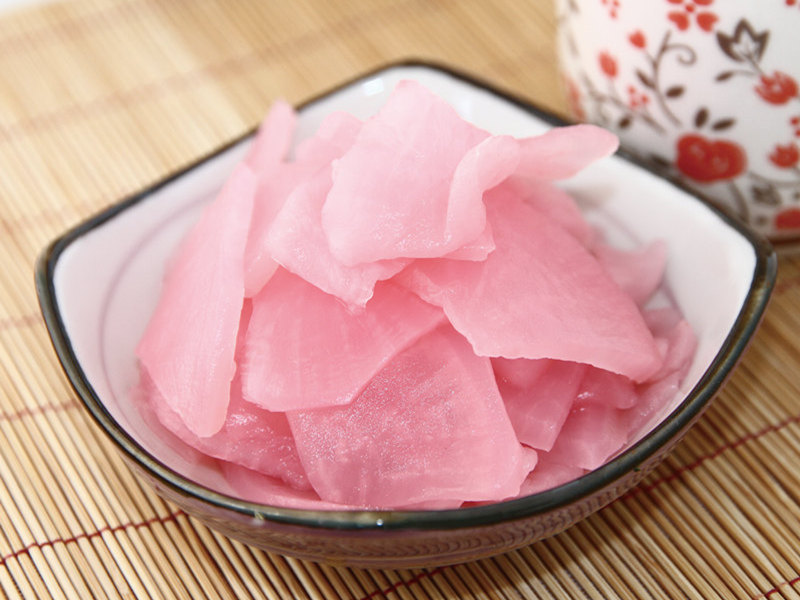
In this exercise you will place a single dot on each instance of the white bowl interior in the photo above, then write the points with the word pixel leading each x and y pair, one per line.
pixel 107 281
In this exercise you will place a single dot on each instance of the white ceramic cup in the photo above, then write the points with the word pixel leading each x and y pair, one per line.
pixel 705 90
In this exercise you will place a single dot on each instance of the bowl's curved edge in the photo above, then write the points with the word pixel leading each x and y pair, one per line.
pixel 629 461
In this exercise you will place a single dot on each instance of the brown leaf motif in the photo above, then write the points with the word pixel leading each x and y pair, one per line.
pixel 766 194
pixel 722 124
pixel 701 117
pixel 675 91
pixel 646 81
pixel 745 45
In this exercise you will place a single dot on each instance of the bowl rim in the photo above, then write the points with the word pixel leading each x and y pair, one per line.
pixel 682 416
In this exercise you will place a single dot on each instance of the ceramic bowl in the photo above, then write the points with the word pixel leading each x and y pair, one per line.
pixel 99 283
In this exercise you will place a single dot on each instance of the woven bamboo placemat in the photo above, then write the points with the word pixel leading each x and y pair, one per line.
pixel 98 98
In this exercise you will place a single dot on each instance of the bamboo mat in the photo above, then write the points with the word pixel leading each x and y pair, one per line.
pixel 99 98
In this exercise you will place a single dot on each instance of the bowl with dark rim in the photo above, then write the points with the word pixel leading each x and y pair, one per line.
pixel 99 282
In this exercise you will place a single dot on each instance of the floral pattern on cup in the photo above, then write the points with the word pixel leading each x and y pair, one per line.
pixel 706 91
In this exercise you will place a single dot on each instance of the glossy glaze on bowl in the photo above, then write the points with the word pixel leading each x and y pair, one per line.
pixel 99 283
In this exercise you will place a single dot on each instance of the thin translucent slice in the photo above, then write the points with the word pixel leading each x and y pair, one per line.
pixel 669 326
pixel 274 136
pixel 564 151
pixel 253 486
pixel 554 202
pixel 540 294
pixel 482 168
pixel 609 389
pixel 662 320
pixel 439 504
pixel 297 242
pixel 251 437
pixel 538 410
pixel 391 191
pixel 270 197
pixel 680 343
pixel 429 426
pixel 655 398
pixel 591 434
pixel 639 272
pixel 548 474
pixel 477 249
pixel 518 372
pixel 335 135
pixel 305 349
pixel 188 347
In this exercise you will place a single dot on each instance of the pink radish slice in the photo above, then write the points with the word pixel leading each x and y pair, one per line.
pixel 335 135
pixel 253 486
pixel 558 205
pixel 554 202
pixel 273 138
pixel 540 294
pixel 547 475
pixel 680 344
pixel 482 167
pixel 478 249
pixel 676 335
pixel 305 349
pixel 391 194
pixel 266 157
pixel 564 151
pixel 606 388
pixel 270 196
pixel 639 272
pixel 538 410
pixel 297 242
pixel 518 372
pixel 188 347
pixel 654 398
pixel 429 426
pixel 591 434
pixel 251 436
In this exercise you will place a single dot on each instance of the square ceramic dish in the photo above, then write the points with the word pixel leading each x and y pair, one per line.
pixel 99 283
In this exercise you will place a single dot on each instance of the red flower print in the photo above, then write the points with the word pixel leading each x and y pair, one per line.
pixel 705 19
pixel 707 160
pixel 680 19
pixel 789 218
pixel 636 98
pixel 637 39
pixel 613 7
pixel 795 123
pixel 608 64
pixel 785 156
pixel 777 88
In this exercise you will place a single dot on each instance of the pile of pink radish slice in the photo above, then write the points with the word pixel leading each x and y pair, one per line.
pixel 407 313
